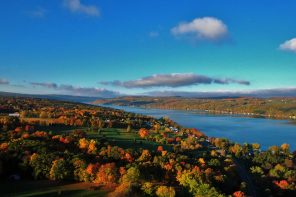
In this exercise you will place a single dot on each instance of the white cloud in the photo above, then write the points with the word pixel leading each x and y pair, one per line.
pixel 289 45
pixel 172 80
pixel 77 6
pixel 208 28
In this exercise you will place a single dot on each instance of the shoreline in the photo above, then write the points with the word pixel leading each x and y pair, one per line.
pixel 292 120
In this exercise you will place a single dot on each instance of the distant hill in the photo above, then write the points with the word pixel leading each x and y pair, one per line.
pixel 81 99
pixel 278 108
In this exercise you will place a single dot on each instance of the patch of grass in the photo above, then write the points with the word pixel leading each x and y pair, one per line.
pixel 124 139
pixel 57 128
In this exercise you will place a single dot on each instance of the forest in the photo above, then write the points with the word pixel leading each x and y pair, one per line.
pixel 57 148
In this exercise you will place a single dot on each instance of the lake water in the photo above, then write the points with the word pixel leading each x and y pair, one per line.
pixel 266 132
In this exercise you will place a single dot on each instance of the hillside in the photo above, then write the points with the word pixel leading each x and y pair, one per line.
pixel 52 96
pixel 280 108
pixel 65 148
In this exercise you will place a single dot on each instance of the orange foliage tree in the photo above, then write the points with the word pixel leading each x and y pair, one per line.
pixel 107 174
pixel 143 132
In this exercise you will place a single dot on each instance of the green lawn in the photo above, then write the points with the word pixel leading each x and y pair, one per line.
pixel 123 139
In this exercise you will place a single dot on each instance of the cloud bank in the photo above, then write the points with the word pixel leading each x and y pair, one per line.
pixel 206 28
pixel 78 91
pixel 172 80
pixel 264 93
pixel 289 45
pixel 78 7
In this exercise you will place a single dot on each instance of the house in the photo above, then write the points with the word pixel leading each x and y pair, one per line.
pixel 14 115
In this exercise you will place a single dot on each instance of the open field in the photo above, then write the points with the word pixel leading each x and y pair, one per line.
pixel 124 139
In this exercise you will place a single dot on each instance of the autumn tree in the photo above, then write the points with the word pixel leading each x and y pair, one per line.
pixel 107 174
pixel 59 170
pixel 239 194
pixel 132 175
pixel 145 156
pixel 43 115
pixel 193 181
pixel 41 165
pixel 164 191
pixel 285 147
pixel 148 188
pixel 143 132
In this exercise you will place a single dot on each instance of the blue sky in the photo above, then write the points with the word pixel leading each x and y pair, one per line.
pixel 134 47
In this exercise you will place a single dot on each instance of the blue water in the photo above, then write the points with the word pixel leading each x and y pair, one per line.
pixel 266 132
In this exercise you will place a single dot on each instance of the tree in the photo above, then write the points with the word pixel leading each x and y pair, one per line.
pixel 193 181
pixel 83 143
pixel 132 175
pixel 256 146
pixel 283 184
pixel 159 149
pixel 41 165
pixel 43 115
pixel 164 191
pixel 79 170
pixel 278 171
pixel 24 114
pixel 143 132
pixel 90 172
pixel 148 188
pixel 145 156
pixel 238 194
pixel 59 170
pixel 107 174
pixel 92 147
pixel 285 147
pixel 4 146
pixel 274 149
pixel 256 170
pixel 236 149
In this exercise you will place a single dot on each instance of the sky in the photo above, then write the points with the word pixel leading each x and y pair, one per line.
pixel 110 48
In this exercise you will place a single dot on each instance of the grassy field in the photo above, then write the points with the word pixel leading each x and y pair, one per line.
pixel 124 139
pixel 49 188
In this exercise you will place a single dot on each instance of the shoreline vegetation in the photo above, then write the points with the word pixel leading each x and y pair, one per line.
pixel 46 142
pixel 273 108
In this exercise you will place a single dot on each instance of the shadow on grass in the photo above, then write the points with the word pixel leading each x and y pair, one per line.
pixel 49 188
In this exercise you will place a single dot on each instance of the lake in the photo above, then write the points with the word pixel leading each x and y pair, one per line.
pixel 266 132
